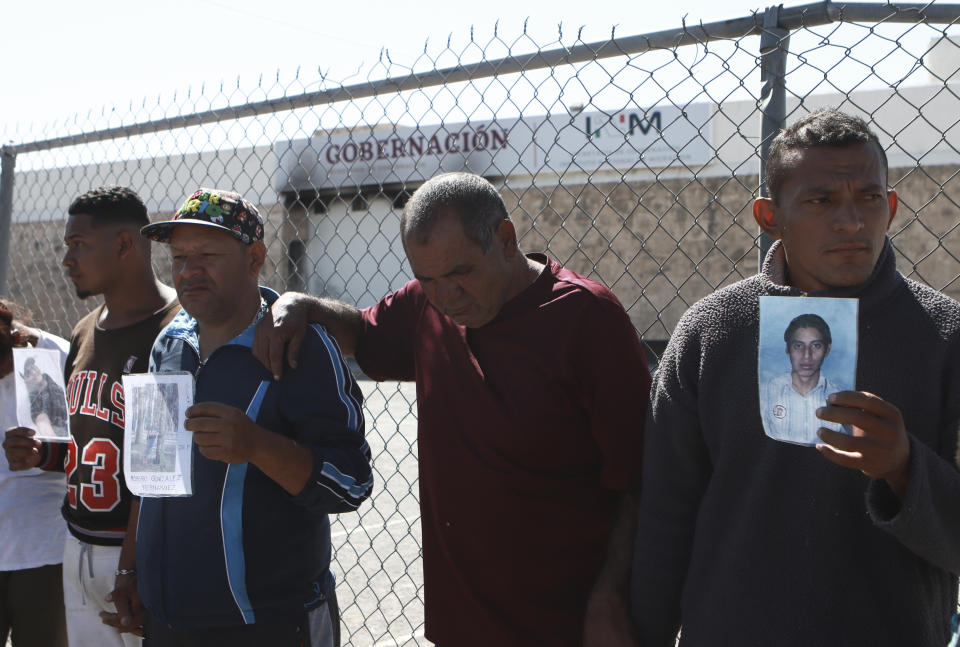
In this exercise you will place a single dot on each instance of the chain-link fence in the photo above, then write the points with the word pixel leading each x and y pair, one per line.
pixel 633 161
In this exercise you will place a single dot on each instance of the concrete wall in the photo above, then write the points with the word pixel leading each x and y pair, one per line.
pixel 660 246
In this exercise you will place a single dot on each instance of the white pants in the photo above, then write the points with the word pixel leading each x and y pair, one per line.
pixel 88 576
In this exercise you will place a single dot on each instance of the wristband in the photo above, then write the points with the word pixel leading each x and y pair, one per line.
pixel 125 571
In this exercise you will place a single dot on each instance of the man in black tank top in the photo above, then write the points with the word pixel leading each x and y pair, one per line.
pixel 105 256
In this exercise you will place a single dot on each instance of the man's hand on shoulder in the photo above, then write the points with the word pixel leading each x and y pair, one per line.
pixel 879 446
pixel 280 333
pixel 22 449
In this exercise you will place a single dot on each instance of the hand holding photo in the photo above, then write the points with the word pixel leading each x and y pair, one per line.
pixel 41 397
pixel 808 350
pixel 157 450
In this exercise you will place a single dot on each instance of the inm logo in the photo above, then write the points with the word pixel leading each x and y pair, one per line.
pixel 633 121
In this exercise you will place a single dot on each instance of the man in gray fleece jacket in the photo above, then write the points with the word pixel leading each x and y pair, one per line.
pixel 743 540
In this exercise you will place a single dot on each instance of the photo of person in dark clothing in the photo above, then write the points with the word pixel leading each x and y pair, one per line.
pixel 48 405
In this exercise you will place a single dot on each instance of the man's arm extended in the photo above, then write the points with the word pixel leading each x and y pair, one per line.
pixel 279 335
pixel 225 433
pixel 879 446
pixel 914 489
pixel 319 456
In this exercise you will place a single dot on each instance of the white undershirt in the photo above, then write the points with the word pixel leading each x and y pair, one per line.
pixel 791 416
pixel 31 526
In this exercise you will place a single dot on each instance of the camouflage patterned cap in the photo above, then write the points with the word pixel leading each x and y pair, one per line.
pixel 225 210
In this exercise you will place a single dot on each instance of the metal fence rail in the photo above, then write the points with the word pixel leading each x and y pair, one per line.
pixel 633 161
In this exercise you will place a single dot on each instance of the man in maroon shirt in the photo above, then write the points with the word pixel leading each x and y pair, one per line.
pixel 531 393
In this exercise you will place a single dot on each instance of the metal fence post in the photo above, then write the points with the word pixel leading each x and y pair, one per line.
pixel 774 44
pixel 8 160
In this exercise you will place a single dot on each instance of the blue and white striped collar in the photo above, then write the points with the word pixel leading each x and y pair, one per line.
pixel 184 327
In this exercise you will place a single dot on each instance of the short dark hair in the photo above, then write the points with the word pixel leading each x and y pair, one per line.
pixel 111 204
pixel 475 201
pixel 824 127
pixel 808 321
pixel 30 366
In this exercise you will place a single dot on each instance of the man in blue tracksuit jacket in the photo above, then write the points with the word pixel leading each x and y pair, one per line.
pixel 245 559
